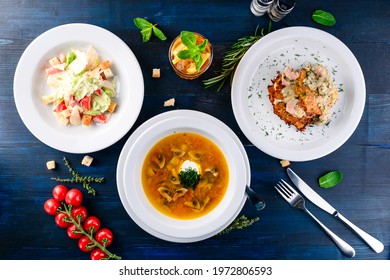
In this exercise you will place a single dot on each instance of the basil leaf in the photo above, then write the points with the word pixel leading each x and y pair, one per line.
pixel 185 54
pixel 142 23
pixel 188 39
pixel 159 33
pixel 147 29
pixel 324 18
pixel 330 179
pixel 146 34
pixel 198 61
pixel 202 47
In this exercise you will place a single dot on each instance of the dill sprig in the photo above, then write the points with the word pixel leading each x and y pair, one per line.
pixel 85 180
pixel 239 223
pixel 189 178
pixel 232 57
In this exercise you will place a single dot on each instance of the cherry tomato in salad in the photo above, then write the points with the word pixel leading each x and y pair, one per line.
pixel 98 254
pixel 92 224
pixel 59 192
pixel 74 197
pixel 100 119
pixel 104 237
pixel 62 219
pixel 60 107
pixel 79 213
pixel 85 244
pixel 73 232
pixel 86 103
pixel 51 206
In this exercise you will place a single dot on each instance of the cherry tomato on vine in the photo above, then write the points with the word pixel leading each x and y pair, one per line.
pixel 98 254
pixel 73 232
pixel 104 237
pixel 74 197
pixel 92 224
pixel 79 213
pixel 61 220
pixel 51 206
pixel 59 192
pixel 85 244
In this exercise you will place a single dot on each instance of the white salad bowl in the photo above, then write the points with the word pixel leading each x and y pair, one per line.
pixel 30 84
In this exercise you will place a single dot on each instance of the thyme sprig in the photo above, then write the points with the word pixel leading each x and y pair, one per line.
pixel 85 180
pixel 232 57
pixel 67 209
pixel 239 223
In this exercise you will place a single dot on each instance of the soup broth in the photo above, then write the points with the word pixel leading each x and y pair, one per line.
pixel 164 180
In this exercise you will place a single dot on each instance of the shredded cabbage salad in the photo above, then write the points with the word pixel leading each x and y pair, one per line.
pixel 84 87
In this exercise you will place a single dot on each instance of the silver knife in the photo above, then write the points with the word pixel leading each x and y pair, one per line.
pixel 375 244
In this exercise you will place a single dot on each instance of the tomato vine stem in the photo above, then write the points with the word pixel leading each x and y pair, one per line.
pixel 67 209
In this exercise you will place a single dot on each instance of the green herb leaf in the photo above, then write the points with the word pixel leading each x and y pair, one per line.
pixel 188 39
pixel 142 23
pixel 159 33
pixel 189 178
pixel 330 179
pixel 193 51
pixel 185 54
pixel 198 61
pixel 146 34
pixel 147 29
pixel 324 18
pixel 202 47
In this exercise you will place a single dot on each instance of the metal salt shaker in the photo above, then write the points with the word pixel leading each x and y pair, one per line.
pixel 260 7
pixel 279 9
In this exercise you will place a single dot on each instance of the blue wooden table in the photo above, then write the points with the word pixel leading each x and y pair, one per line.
pixel 27 232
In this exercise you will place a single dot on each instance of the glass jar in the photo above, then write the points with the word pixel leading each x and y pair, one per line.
pixel 186 68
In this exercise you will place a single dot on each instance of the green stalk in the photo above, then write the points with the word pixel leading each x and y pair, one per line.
pixel 85 180
pixel 232 57
pixel 67 210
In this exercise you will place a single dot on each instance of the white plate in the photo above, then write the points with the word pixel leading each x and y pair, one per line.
pixel 130 186
pixel 296 46
pixel 30 85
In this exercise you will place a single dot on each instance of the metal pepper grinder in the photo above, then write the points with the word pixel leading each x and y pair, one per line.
pixel 279 9
pixel 260 7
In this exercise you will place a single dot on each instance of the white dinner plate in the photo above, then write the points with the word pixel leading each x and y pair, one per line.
pixel 30 85
pixel 130 185
pixel 296 46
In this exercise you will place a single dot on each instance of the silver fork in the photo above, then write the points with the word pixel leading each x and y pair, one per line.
pixel 297 201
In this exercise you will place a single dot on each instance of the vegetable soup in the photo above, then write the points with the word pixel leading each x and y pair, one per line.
pixel 185 175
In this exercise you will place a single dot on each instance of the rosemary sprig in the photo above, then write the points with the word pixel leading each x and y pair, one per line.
pixel 232 57
pixel 85 180
pixel 239 223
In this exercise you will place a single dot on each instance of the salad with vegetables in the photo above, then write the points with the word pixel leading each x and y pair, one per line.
pixel 84 87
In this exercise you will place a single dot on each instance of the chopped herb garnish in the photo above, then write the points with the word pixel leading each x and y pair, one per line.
pixel 189 178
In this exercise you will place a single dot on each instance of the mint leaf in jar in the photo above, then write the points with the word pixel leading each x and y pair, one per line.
pixel 193 50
